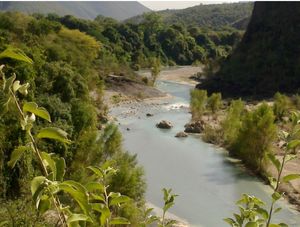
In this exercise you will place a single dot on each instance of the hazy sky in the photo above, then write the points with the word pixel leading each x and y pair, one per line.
pixel 160 5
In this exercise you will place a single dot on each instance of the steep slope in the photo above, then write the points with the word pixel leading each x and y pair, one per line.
pixel 212 15
pixel 84 9
pixel 268 57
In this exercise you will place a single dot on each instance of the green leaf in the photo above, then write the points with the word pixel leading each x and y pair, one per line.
pixel 77 218
pixel 53 133
pixel 96 171
pixel 168 206
pixel 60 168
pixel 98 197
pixel 277 210
pixel 16 155
pixel 104 216
pixel 230 221
pixel 273 182
pixel 290 177
pixel 78 193
pixel 48 161
pixel 293 144
pixel 37 187
pixel 93 186
pixel 8 83
pixel 119 221
pixel 44 204
pixel 15 54
pixel 276 196
pixel 32 107
pixel 252 224
pixel 274 160
pixel 171 223
pixel 263 212
pixel 119 200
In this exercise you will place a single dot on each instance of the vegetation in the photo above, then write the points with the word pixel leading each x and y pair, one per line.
pixel 232 123
pixel 214 102
pixel 198 102
pixel 137 45
pixel 76 203
pixel 213 16
pixel 65 70
pixel 252 209
pixel 87 10
pixel 256 136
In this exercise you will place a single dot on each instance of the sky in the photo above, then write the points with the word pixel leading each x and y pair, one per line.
pixel 161 5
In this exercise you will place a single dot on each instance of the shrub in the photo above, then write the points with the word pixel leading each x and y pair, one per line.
pixel 198 102
pixel 256 136
pixel 214 102
pixel 233 122
pixel 282 104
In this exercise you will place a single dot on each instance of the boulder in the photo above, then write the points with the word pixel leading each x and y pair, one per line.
pixel 181 134
pixel 194 127
pixel 149 115
pixel 164 124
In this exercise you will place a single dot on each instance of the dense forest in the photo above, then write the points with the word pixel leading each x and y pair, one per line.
pixel 214 16
pixel 66 67
pixel 266 60
pixel 139 45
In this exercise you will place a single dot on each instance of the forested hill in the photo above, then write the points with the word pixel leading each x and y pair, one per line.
pixel 82 9
pixel 267 59
pixel 212 15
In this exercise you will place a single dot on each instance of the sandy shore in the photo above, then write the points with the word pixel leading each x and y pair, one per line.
pixel 130 92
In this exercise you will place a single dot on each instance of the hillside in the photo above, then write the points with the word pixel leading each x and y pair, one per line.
pixel 84 9
pixel 267 59
pixel 212 15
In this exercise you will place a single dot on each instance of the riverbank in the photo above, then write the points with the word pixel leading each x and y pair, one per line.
pixel 127 92
pixel 291 190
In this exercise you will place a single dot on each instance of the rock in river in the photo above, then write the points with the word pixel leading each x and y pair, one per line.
pixel 181 134
pixel 164 124
pixel 194 127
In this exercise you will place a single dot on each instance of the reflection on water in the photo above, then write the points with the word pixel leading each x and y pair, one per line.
pixel 207 182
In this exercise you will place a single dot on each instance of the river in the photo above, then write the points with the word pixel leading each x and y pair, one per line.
pixel 206 180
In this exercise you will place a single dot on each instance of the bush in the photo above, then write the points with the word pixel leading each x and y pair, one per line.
pixel 282 104
pixel 233 122
pixel 256 136
pixel 214 102
pixel 198 103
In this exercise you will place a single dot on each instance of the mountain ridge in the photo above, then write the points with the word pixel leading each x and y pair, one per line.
pixel 119 10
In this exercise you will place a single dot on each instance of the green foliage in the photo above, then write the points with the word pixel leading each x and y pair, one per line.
pixel 252 211
pixel 282 105
pixel 232 123
pixel 255 137
pixel 214 102
pixel 198 102
pixel 49 188
pixel 213 16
